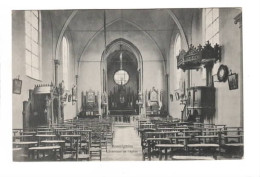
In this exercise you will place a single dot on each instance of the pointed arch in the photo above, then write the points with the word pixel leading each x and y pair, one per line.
pixel 114 45
pixel 65 26
pixel 177 22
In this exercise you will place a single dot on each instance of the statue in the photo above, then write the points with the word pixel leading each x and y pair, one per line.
pixel 74 93
pixel 140 97
pixel 62 88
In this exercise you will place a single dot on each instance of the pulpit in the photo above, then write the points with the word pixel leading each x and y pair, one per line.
pixel 199 56
pixel 201 99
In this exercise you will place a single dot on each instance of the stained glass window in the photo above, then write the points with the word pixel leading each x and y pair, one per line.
pixel 121 77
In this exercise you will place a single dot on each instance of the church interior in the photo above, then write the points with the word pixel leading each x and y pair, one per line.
pixel 127 84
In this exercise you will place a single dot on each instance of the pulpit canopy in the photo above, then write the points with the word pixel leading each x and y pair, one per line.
pixel 194 58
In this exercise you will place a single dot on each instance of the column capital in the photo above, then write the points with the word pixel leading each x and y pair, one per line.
pixel 56 61
pixel 238 19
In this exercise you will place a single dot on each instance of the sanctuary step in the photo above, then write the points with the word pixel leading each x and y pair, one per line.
pixel 123 125
pixel 123 112
pixel 124 119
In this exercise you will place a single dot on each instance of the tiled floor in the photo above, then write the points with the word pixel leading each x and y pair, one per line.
pixel 126 145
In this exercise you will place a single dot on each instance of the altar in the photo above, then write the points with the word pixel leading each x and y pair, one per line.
pixel 122 100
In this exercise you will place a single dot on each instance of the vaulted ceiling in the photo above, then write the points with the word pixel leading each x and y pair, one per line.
pixel 157 24
pixel 87 23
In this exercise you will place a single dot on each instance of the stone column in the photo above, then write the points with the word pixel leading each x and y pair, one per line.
pixel 76 80
pixel 209 81
pixel 56 77
pixel 167 94
pixel 56 83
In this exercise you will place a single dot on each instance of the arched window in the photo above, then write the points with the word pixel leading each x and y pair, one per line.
pixel 65 61
pixel 177 48
pixel 211 34
pixel 211 25
pixel 33 44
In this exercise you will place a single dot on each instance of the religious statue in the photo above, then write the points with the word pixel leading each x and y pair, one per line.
pixel 122 98
pixel 74 93
pixel 62 88
pixel 69 98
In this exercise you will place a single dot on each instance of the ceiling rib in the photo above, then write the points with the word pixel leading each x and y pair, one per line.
pixel 73 13
pixel 127 21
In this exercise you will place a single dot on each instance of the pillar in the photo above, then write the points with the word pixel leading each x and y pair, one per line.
pixel 167 94
pixel 76 80
pixel 56 73
pixel 56 82
pixel 209 81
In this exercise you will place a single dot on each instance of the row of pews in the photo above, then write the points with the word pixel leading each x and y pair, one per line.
pixel 175 140
pixel 73 140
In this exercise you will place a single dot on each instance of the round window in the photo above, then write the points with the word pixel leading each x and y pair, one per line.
pixel 121 77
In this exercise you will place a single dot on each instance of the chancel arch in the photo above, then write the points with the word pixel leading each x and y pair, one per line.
pixel 121 60
pixel 120 20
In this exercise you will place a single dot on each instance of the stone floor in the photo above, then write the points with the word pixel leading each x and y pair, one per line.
pixel 126 145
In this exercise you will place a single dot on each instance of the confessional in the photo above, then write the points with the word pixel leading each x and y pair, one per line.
pixel 44 106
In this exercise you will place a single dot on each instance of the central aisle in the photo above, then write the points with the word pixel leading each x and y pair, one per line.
pixel 126 145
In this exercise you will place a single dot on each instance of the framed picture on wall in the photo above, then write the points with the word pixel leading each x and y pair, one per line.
pixel 171 97
pixel 177 96
pixel 233 81
pixel 17 86
pixel 69 98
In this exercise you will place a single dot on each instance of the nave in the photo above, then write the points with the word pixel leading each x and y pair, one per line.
pixel 142 139
pixel 127 84
pixel 126 145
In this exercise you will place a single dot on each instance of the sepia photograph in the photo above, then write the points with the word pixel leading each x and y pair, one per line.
pixel 129 89
pixel 120 66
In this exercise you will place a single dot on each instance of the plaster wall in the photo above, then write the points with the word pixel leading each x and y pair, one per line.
pixel 18 62
pixel 228 103
pixel 153 65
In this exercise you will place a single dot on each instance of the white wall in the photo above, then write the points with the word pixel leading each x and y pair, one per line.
pixel 228 102
pixel 50 33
